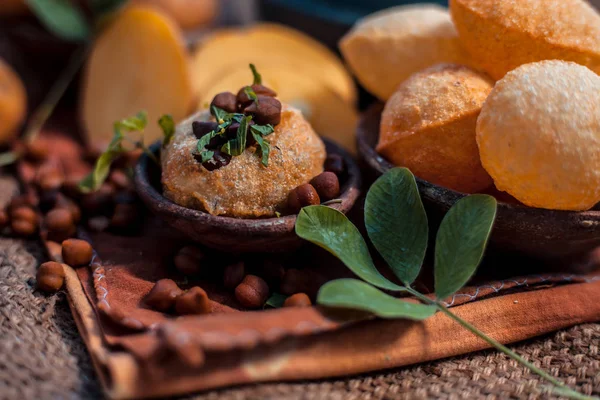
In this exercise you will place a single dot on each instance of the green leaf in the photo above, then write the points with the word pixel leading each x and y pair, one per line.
pixel 167 124
pixel 220 114
pixel 276 300
pixel 461 242
pixel 255 75
pixel 333 231
pixel 264 130
pixel 251 94
pixel 397 223
pixel 136 123
pixel 264 146
pixel 62 18
pixel 235 147
pixel 355 294
pixel 96 178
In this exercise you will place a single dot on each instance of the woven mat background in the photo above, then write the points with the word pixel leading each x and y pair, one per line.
pixel 42 356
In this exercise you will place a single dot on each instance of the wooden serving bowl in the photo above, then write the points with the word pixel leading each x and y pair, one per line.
pixel 236 235
pixel 536 232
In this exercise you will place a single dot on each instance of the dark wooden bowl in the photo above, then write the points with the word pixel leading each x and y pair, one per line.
pixel 540 233
pixel 264 235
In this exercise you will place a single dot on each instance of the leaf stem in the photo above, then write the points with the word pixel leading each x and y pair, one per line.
pixel 564 389
pixel 58 89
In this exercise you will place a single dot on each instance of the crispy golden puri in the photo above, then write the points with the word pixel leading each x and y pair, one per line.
pixel 539 135
pixel 501 35
pixel 245 188
pixel 385 48
pixel 428 125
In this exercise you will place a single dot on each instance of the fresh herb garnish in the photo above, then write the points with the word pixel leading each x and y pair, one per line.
pixel 167 125
pixel 276 300
pixel 237 145
pixel 397 226
pixel 206 148
pixel 137 123
pixel 256 76
pixel 251 94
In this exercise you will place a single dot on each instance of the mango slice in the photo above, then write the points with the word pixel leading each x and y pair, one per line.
pixel 265 45
pixel 329 114
pixel 139 62
pixel 13 103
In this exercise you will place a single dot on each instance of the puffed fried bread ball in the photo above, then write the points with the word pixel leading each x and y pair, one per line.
pixel 501 35
pixel 428 126
pixel 385 48
pixel 539 135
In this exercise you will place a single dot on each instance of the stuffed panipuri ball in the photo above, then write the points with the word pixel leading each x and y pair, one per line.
pixel 428 126
pixel 245 187
pixel 539 135
pixel 501 35
pixel 385 48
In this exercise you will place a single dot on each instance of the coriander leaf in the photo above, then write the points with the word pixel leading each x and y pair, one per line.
pixel 276 300
pixel 206 155
pixel 330 229
pixel 355 294
pixel 263 130
pixel 264 146
pixel 397 223
pixel 235 147
pixel 461 242
pixel 62 18
pixel 135 123
pixel 220 114
pixel 167 124
pixel 205 140
pixel 251 94
pixel 94 179
pixel 256 76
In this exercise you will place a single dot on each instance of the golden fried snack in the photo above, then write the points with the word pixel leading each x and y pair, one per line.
pixel 267 44
pixel 539 135
pixel 13 103
pixel 139 62
pixel 428 126
pixel 189 14
pixel 501 35
pixel 385 48
pixel 244 188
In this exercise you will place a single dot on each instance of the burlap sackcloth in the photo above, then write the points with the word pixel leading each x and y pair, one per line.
pixel 233 357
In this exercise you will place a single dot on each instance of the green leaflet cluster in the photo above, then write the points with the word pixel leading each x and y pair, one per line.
pixel 234 146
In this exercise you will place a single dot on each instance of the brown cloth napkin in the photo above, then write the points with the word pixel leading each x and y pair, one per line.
pixel 139 353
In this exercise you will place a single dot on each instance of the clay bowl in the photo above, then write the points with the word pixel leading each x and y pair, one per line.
pixel 265 235
pixel 540 233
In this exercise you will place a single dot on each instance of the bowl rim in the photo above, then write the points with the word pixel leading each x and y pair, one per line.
pixel 349 193
pixel 448 196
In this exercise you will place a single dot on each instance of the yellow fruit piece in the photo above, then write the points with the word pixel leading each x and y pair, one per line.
pixel 188 13
pixel 264 45
pixel 539 135
pixel 428 126
pixel 13 103
pixel 385 48
pixel 327 112
pixel 501 35
pixel 138 63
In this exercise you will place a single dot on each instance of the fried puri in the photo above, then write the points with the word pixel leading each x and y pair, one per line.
pixel 502 35
pixel 539 135
pixel 428 126
pixel 244 188
pixel 385 48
